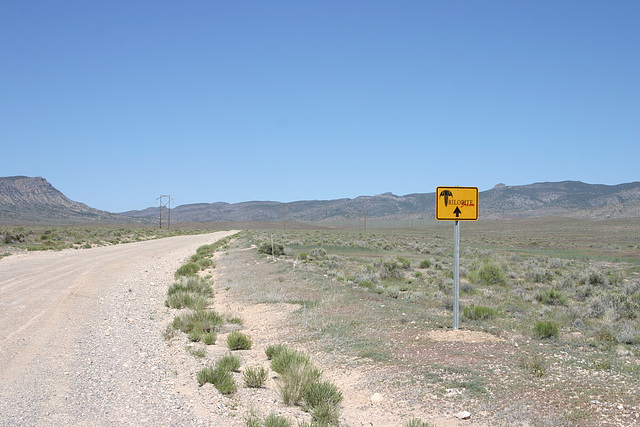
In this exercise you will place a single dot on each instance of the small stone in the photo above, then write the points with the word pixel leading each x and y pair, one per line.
pixel 463 415
pixel 376 398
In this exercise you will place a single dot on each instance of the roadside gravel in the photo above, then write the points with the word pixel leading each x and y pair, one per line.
pixel 80 338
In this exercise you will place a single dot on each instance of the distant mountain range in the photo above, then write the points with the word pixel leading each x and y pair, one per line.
pixel 24 199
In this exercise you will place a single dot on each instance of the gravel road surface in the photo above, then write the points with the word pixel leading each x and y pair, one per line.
pixel 81 341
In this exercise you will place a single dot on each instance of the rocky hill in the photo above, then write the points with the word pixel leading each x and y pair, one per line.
pixel 26 200
pixel 33 200
pixel 567 199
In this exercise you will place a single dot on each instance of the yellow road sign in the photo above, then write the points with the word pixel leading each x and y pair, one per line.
pixel 457 203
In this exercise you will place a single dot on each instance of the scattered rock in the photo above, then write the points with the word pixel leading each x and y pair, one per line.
pixel 463 415
pixel 376 398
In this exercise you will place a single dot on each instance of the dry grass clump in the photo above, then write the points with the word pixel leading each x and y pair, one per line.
pixel 190 292
pixel 300 382
pixel 238 341
pixel 255 376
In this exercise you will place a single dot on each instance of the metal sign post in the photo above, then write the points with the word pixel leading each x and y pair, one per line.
pixel 456 274
pixel 456 204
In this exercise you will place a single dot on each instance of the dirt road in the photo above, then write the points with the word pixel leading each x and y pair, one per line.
pixel 78 341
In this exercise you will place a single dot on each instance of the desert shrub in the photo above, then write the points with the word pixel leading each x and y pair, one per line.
pixel 627 333
pixel 193 284
pixel 367 284
pixel 273 350
pixel 318 253
pixel 229 362
pixel 9 237
pixel 595 278
pixel 323 400
pixel 366 272
pixel 597 307
pixel 255 376
pixel 404 263
pixel 268 248
pixel 425 263
pixel 238 341
pixel 221 378
pixel 295 379
pixel 416 422
pixel 605 334
pixel 197 352
pixel 631 288
pixel 204 263
pixel 393 292
pixel 253 420
pixel 389 269
pixel 209 338
pixel 552 297
pixel 302 256
pixel 184 299
pixel 478 312
pixel 287 356
pixel 273 420
pixel 466 287
pixel 615 278
pixel 535 364
pixel 201 320
pixel 545 330
pixel 488 274
pixel 556 263
pixel 188 269
pixel 194 336
pixel 538 275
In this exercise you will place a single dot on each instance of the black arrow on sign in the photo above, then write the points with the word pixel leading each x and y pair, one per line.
pixel 457 212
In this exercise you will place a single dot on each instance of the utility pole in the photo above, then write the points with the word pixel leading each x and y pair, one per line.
pixel 363 213
pixel 285 209
pixel 164 201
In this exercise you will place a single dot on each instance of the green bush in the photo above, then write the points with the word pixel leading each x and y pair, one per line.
pixel 275 249
pixel 367 284
pixel 323 400
pixel 255 376
pixel 425 263
pixel 205 263
pixel 209 338
pixel 188 269
pixel 183 299
pixel 545 330
pixel 478 312
pixel 295 379
pixel 491 274
pixel 318 253
pixel 405 263
pixel 273 350
pixel 273 420
pixel 552 297
pixel 200 320
pixel 238 341
pixel 229 362
pixel 194 336
pixel 221 378
pixel 287 356
pixel 389 269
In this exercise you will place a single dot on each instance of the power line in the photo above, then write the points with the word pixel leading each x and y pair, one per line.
pixel 164 202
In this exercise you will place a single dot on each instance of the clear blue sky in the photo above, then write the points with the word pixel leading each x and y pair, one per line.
pixel 117 102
